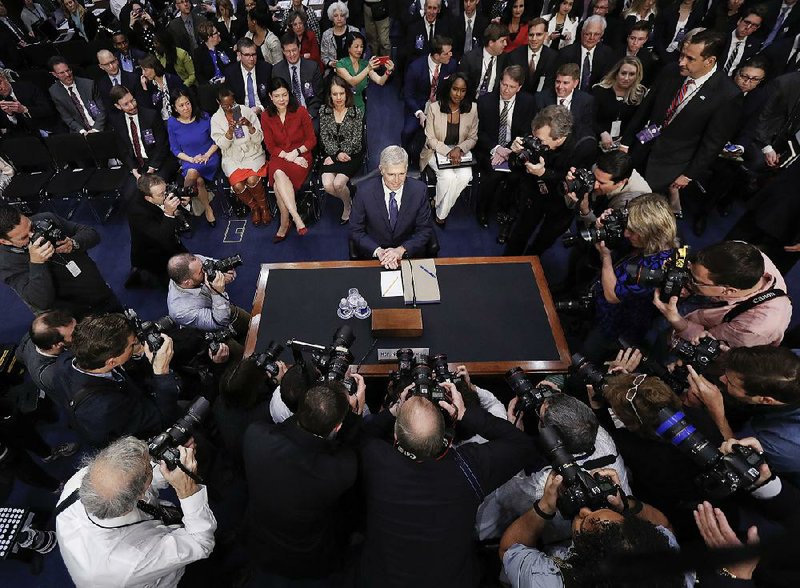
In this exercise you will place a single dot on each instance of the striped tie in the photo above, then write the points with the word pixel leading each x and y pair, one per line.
pixel 676 102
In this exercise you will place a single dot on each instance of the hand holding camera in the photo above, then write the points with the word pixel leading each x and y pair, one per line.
pixel 177 478
pixel 217 283
pixel 161 358
pixel 40 250
pixel 359 399
pixel 171 204
pixel 455 407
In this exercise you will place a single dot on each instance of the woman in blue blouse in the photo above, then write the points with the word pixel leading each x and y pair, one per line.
pixel 624 308
pixel 190 140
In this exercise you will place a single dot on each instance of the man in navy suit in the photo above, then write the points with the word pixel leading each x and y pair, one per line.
pixel 391 217
pixel 421 83
pixel 249 78
pixel 537 59
pixel 128 56
pixel 115 76
pixel 740 43
pixel 580 104
pixel 594 58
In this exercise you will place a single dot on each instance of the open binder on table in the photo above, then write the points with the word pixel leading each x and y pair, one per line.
pixel 420 282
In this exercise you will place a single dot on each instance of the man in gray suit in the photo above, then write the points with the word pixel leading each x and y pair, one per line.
pixel 302 75
pixel 77 104
pixel 184 26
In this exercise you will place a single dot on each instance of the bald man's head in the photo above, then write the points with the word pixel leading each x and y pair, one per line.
pixel 419 428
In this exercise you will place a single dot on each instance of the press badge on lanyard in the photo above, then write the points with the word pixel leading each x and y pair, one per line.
pixel 73 269
pixel 648 133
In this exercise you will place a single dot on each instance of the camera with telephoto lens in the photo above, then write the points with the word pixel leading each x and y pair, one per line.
pixel 149 332
pixel 587 373
pixel 425 384
pixel 179 191
pixel 267 360
pixel 332 361
pixel 532 150
pixel 47 230
pixel 612 231
pixel 582 183
pixel 441 369
pixel 212 266
pixel 722 474
pixel 581 304
pixel 670 279
pixel 529 397
pixel 216 338
pixel 580 487
pixel 165 446
pixel 405 363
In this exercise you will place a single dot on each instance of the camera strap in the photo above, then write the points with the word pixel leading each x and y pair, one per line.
pixel 469 475
pixel 66 503
pixel 752 302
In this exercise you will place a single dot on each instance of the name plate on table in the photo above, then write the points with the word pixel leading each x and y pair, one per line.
pixel 420 282
pixel 396 322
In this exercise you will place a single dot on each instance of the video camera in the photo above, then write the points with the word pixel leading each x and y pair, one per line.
pixel 267 360
pixel 670 279
pixel 582 183
pixel 48 230
pixel 149 332
pixel 529 397
pixel 216 338
pixel 333 360
pixel 212 266
pixel 722 474
pixel 532 150
pixel 165 446
pixel 612 231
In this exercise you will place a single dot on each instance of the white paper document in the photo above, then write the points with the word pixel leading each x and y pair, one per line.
pixel 391 284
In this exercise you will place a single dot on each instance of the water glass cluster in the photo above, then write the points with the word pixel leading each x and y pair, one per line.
pixel 353 305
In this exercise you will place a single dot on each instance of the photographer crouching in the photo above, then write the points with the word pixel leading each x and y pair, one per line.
pixel 623 304
pixel 554 146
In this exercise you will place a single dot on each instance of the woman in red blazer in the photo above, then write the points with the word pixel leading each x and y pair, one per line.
pixel 289 137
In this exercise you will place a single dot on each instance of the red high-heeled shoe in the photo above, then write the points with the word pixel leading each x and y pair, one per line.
pixel 302 231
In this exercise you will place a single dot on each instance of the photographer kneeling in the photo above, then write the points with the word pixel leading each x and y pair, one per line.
pixel 623 306
pixel 554 147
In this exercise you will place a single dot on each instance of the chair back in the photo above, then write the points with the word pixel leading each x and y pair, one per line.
pixel 69 148
pixel 104 146
pixel 28 154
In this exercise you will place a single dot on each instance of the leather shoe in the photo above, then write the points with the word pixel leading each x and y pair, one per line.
pixel 699 225
pixel 278 238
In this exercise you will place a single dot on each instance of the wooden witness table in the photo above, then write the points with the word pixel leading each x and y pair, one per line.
pixel 495 313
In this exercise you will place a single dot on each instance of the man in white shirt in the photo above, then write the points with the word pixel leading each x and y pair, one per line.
pixel 108 526
pixel 740 43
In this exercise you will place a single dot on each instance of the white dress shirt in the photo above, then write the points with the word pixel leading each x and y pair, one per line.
pixel 694 91
pixel 86 112
pixel 255 86
pixel 487 57
pixel 134 549
pixel 142 144
pixel 567 100
pixel 398 196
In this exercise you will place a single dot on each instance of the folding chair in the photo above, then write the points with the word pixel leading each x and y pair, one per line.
pixel 78 52
pixel 71 155
pixel 34 168
pixel 107 181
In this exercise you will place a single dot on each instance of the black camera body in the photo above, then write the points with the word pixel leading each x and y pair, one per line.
pixel 612 231
pixel 149 332
pixel 529 397
pixel 267 360
pixel 164 447
pixel 332 361
pixel 179 191
pixel 212 266
pixel 721 475
pixel 532 149
pixel 587 373
pixel 582 304
pixel 582 183
pixel 216 338
pixel 581 489
pixel 670 279
pixel 699 356
pixel 46 229
pixel 441 369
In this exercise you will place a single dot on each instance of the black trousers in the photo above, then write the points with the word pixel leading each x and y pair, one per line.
pixel 498 190
pixel 546 211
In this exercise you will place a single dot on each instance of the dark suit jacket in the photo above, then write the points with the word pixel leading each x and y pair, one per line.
pixel 103 85
pixel 665 25
pixel 752 105
pixel 489 125
pixel 153 236
pixel 310 83
pixel 692 141
pixel 471 65
pixel 89 25
pixel 297 526
pixel 179 33
pixel 751 47
pixel 582 108
pixel 417 86
pixel 153 98
pixel 603 59
pixel 778 54
pixel 204 66
pixel 369 219
pixel 458 31
pixel 235 81
pixel 40 110
pixel 66 108
pixel 158 151
pixel 774 120
pixel 416 40
pixel 135 55
pixel 238 29
pixel 791 25
pixel 545 67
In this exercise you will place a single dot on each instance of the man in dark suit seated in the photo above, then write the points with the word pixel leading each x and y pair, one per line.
pixel 143 138
pixel 537 59
pixel 686 117
pixel 421 83
pixel 128 56
pixel 152 217
pixel 249 78
pixel 468 28
pixel 115 76
pixel 565 93
pixel 741 44
pixel 495 136
pixel 303 76
pixel 24 109
pixel 76 102
pixel 391 217
pixel 634 47
pixel 184 26
pixel 484 65
pixel 781 21
pixel 594 58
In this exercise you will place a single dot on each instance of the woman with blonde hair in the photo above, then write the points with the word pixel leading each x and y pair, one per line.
pixel 625 307
pixel 82 21
pixel 640 10
pixel 616 97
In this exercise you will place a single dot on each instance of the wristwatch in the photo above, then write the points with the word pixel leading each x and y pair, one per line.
pixel 75 244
